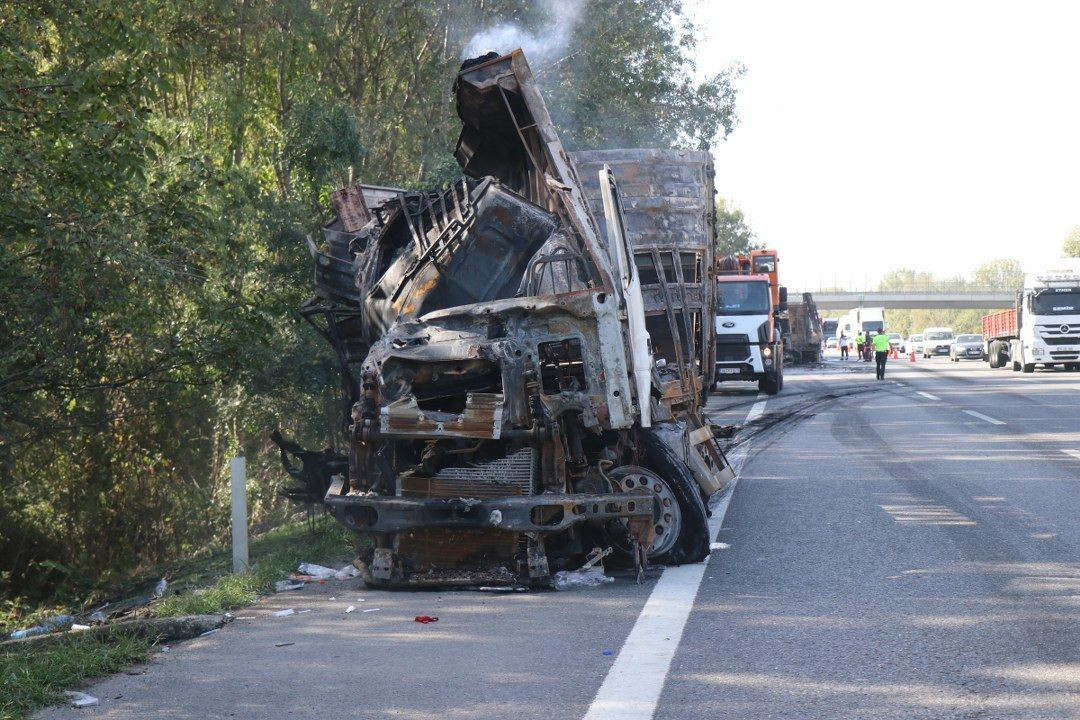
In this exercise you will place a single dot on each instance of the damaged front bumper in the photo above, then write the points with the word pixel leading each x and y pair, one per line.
pixel 544 513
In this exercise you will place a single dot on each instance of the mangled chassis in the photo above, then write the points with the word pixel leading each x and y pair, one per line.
pixel 499 409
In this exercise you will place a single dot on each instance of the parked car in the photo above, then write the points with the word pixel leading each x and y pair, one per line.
pixel 914 344
pixel 937 341
pixel 896 342
pixel 967 347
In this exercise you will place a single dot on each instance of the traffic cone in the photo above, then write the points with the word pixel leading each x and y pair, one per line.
pixel 894 354
pixel 911 357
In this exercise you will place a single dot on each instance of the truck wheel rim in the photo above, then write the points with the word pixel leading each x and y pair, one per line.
pixel 667 515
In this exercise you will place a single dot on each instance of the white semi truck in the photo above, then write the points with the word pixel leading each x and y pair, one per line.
pixel 1044 327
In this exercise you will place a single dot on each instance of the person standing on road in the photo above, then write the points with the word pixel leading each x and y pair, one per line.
pixel 843 345
pixel 860 340
pixel 881 353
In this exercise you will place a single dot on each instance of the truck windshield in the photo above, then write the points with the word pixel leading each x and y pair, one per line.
pixel 1056 301
pixel 874 326
pixel 742 298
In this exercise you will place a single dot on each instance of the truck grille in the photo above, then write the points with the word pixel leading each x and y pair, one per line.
pixel 732 347
pixel 1062 340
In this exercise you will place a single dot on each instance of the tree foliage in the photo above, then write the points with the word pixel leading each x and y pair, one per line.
pixel 161 163
pixel 1070 247
pixel 733 235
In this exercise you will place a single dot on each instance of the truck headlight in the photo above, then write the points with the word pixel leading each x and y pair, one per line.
pixel 767 352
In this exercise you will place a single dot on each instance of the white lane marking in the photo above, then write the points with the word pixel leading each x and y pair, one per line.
pixel 631 690
pixel 987 418
pixel 757 410
pixel 927 395
pixel 1072 453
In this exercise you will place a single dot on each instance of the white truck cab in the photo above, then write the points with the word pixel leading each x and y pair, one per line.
pixel 748 342
pixel 1049 320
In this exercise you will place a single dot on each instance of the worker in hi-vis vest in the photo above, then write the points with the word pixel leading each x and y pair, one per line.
pixel 881 352
pixel 860 340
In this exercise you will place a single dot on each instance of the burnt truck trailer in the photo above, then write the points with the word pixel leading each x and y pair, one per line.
pixel 806 330
pixel 670 212
pixel 505 416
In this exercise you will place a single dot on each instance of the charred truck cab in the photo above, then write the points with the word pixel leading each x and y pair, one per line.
pixel 505 414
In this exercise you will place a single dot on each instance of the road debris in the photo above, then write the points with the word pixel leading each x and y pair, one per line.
pixel 719 546
pixel 591 577
pixel 316 571
pixel 285 586
pixel 425 619
pixel 80 699
pixel 351 608
pixel 284 613
pixel 371 610
pixel 284 644
pixel 53 624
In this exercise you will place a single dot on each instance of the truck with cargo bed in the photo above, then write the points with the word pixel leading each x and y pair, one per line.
pixel 1043 328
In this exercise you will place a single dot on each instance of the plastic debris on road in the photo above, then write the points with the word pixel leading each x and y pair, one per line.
pixel 591 577
pixel 316 571
pixel 59 622
pixel 350 609
pixel 425 619
pixel 79 628
pixel 287 644
pixel 209 632
pixel 371 610
pixel 349 571
pixel 607 651
pixel 284 613
pixel 285 585
pixel 719 546
pixel 80 699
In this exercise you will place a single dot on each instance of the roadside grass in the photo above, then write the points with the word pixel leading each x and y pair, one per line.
pixel 31 678
pixel 273 556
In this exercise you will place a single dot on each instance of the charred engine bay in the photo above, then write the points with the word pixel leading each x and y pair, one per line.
pixel 505 414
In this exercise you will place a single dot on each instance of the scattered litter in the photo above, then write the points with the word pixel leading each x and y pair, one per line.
pixel 79 628
pixel 79 699
pixel 284 644
pixel 98 616
pixel 495 518
pixel 371 610
pixel 285 585
pixel 301 612
pixel 316 571
pixel 245 617
pixel 333 598
pixel 718 546
pixel 284 613
pixel 159 589
pixel 425 619
pixel 360 600
pixel 209 632
pixel 592 577
pixel 607 651
pixel 59 622
pixel 164 648
pixel 350 608
pixel 349 571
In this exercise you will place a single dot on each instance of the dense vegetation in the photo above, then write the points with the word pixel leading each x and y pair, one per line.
pixel 161 161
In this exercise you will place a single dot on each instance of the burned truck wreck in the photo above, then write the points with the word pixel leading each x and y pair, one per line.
pixel 505 416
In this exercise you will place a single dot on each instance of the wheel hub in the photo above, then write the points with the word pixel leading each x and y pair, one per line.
pixel 667 517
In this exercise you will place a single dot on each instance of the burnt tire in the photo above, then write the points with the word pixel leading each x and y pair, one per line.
pixel 770 384
pixel 693 540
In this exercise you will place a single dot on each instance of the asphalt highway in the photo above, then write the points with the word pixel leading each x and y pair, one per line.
pixel 903 548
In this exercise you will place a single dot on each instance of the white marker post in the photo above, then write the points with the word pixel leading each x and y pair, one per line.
pixel 238 466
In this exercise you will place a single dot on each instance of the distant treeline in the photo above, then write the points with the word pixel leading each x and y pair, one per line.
pixel 162 160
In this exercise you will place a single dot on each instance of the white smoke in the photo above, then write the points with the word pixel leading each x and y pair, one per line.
pixel 539 46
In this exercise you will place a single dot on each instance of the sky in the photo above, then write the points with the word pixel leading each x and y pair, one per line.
pixel 879 135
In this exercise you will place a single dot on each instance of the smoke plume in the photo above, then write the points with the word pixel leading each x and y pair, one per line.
pixel 539 46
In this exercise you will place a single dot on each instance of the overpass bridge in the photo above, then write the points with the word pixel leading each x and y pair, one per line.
pixel 929 299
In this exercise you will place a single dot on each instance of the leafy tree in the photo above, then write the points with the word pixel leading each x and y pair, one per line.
pixel 733 235
pixel 999 274
pixel 1070 247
